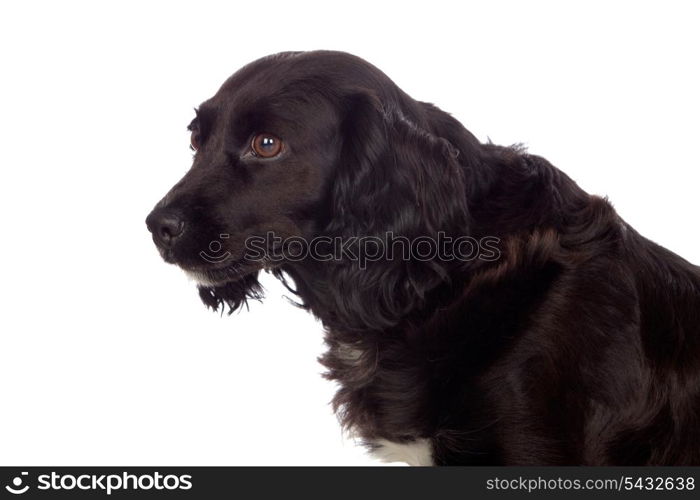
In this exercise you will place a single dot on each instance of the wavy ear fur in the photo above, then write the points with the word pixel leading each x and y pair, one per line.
pixel 394 177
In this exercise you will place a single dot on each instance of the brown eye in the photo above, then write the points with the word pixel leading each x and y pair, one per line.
pixel 195 140
pixel 266 145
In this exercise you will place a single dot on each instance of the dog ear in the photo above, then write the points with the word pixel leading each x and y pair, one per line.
pixel 394 175
pixel 394 178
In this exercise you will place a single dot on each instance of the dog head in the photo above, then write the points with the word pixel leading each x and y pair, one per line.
pixel 302 145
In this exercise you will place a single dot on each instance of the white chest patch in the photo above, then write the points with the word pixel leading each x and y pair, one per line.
pixel 416 453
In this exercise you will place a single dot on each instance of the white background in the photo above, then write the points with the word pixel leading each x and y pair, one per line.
pixel 108 357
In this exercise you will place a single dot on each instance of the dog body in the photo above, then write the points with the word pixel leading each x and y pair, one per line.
pixel 578 344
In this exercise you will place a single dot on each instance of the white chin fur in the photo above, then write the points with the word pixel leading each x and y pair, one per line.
pixel 199 278
pixel 416 453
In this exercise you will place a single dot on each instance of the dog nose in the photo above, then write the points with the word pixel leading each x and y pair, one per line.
pixel 165 226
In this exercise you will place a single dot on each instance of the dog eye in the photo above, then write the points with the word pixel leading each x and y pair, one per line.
pixel 195 140
pixel 266 145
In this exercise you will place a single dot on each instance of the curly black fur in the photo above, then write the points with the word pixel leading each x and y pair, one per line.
pixel 579 345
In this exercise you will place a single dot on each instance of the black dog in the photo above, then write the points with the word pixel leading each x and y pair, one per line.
pixel 564 337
